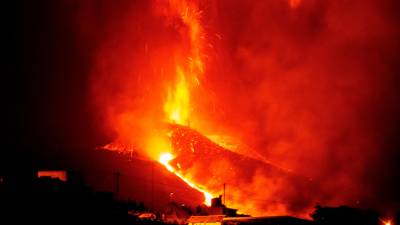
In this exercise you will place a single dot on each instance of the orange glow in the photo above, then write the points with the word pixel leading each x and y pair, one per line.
pixel 386 222
pixel 165 158
pixel 223 141
pixel 242 103
pixel 62 175
pixel 189 68
pixel 190 15
pixel 294 3
pixel 177 105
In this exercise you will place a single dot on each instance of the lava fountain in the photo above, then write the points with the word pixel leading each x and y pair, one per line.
pixel 189 67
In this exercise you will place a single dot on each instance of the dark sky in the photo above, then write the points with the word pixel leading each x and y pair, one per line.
pixel 51 83
pixel 50 119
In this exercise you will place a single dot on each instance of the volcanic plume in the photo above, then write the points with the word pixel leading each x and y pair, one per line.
pixel 291 103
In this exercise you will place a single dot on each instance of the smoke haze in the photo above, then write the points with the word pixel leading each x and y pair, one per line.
pixel 311 86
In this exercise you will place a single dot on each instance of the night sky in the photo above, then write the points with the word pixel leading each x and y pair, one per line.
pixel 51 106
pixel 52 120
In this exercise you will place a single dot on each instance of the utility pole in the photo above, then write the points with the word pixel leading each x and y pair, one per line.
pixel 224 194
pixel 117 185
pixel 152 185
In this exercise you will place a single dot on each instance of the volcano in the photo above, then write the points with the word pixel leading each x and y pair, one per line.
pixel 297 92
pixel 197 153
pixel 253 185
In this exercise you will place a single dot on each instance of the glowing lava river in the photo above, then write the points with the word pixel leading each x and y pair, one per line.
pixel 165 158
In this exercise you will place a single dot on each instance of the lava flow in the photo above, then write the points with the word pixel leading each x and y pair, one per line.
pixel 165 158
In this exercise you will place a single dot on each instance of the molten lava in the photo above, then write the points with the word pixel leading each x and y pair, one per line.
pixel 386 222
pixel 177 104
pixel 165 158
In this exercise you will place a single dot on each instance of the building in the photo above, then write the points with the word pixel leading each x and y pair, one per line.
pixel 174 213
pixel 268 220
pixel 54 174
pixel 206 220
pixel 217 208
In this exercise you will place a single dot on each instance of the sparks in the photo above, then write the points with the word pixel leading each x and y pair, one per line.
pixel 177 105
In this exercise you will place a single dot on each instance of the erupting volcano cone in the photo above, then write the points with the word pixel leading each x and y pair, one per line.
pixel 253 185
